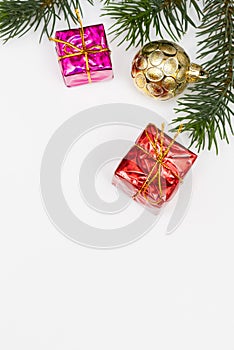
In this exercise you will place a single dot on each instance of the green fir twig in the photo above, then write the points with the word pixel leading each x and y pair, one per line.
pixel 207 109
pixel 134 19
pixel 18 17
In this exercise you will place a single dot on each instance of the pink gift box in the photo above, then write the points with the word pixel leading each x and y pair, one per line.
pixel 79 68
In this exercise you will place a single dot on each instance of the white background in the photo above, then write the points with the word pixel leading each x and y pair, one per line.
pixel 162 292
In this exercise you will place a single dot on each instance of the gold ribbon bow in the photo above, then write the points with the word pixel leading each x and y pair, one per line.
pixel 160 162
pixel 83 51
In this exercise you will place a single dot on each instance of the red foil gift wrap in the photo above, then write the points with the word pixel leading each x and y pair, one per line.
pixel 83 54
pixel 153 168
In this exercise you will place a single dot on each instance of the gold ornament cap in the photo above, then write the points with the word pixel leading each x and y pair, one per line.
pixel 196 73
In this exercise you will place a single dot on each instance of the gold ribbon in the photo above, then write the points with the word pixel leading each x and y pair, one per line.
pixel 83 51
pixel 160 162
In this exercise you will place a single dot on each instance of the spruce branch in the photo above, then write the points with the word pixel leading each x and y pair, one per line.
pixel 205 111
pixel 134 19
pixel 18 17
pixel 207 108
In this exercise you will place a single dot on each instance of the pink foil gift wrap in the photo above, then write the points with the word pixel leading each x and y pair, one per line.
pixel 83 60
pixel 153 168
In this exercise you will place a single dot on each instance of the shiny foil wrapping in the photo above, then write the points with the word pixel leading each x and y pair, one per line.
pixel 151 171
pixel 74 68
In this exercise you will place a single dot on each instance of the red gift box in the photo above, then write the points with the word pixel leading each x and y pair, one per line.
pixel 153 168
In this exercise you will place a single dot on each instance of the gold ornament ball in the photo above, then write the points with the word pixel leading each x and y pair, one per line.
pixel 162 69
